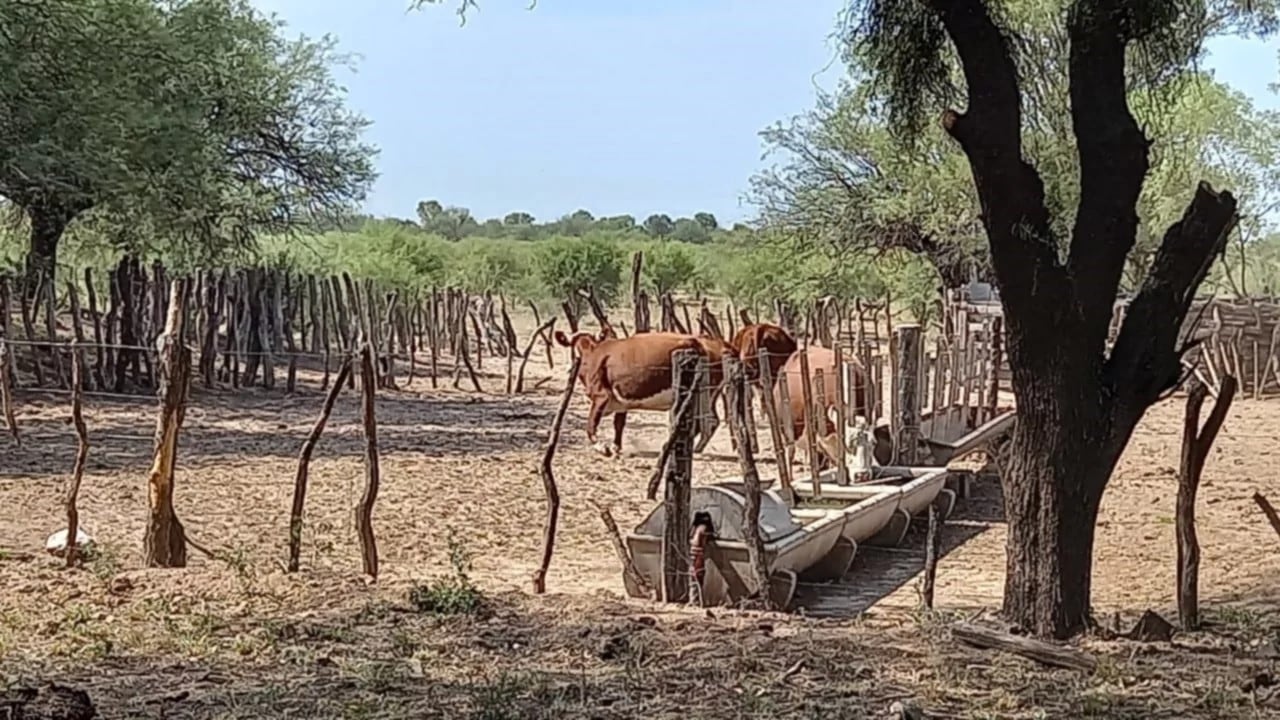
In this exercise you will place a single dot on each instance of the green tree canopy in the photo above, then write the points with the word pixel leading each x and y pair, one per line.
pixel 193 118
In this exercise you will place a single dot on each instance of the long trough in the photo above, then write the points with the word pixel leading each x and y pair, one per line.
pixel 814 542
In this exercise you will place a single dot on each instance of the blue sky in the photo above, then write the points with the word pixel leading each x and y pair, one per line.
pixel 616 106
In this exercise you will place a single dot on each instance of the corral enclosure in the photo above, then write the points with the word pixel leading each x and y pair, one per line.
pixel 460 474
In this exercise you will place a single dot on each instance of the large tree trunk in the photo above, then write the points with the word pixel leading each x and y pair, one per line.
pixel 1077 402
pixel 48 223
pixel 1061 460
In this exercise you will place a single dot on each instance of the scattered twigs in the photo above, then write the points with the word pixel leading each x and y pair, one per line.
pixel 1041 652
pixel 364 510
pixel 629 571
pixel 82 452
pixel 549 480
pixel 304 466
pixel 1196 443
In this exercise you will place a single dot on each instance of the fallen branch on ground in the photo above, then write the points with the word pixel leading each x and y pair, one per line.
pixel 1041 652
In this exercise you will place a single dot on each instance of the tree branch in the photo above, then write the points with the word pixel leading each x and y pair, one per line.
pixel 1010 190
pixel 1145 360
pixel 1113 161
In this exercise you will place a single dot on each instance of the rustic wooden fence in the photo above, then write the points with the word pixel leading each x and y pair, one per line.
pixel 252 325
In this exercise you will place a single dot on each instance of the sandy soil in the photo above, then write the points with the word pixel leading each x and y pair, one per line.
pixel 459 472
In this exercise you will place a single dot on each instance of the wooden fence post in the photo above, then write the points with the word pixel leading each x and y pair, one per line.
pixel 549 479
pixel 1196 443
pixel 372 479
pixel 679 472
pixel 906 404
pixel 82 451
pixel 304 466
pixel 165 543
pixel 736 389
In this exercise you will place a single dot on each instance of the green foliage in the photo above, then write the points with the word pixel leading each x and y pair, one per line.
pixel 670 266
pixel 659 225
pixel 567 265
pixel 192 121
pixel 689 231
pixel 492 266
pixel 453 594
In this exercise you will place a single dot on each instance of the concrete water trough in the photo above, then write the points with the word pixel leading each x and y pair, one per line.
pixel 897 493
pixel 813 544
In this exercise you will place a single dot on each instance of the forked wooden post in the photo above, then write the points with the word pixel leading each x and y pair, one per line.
pixel 549 480
pixel 372 477
pixel 679 473
pixel 906 405
pixel 304 466
pixel 1196 443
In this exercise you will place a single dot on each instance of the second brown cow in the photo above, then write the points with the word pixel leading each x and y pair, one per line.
pixel 821 360
pixel 777 344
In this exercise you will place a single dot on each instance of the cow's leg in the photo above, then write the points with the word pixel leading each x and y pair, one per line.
pixel 598 406
pixel 619 423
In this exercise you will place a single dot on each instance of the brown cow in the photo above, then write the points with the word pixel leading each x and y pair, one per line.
pixel 777 343
pixel 821 360
pixel 620 375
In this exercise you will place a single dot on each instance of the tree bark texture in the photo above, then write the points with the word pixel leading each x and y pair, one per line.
pixel 1077 404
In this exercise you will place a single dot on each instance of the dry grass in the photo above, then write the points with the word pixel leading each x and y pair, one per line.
pixel 237 637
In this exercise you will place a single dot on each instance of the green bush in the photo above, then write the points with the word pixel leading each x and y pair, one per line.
pixel 566 265
pixel 453 594
pixel 669 267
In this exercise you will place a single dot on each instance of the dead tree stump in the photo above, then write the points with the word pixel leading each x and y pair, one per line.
pixel 1196 443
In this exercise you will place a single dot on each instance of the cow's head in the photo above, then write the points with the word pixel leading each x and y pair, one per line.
pixel 581 342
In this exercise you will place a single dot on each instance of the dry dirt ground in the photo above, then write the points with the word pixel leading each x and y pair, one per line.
pixel 236 637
